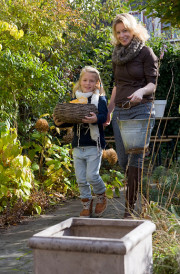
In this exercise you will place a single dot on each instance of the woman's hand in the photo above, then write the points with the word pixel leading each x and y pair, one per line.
pixel 137 96
pixel 90 119
pixel 110 107
pixel 108 121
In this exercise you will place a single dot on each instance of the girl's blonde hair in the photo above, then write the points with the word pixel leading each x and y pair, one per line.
pixel 131 24
pixel 99 84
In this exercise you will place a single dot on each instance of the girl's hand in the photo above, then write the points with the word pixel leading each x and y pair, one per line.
pixel 90 119
pixel 108 121
pixel 137 96
pixel 57 122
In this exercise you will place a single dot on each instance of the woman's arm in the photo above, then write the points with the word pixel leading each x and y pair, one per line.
pixel 150 67
pixel 110 107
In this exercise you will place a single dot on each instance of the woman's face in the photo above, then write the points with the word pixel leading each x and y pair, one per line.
pixel 88 82
pixel 123 35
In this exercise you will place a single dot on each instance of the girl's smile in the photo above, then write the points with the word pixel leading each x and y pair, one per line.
pixel 88 82
pixel 123 35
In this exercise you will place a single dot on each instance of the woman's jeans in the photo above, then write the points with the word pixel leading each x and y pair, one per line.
pixel 142 111
pixel 87 161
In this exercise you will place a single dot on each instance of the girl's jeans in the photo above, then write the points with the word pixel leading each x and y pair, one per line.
pixel 141 111
pixel 87 161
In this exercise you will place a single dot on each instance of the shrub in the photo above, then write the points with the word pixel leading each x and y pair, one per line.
pixel 16 176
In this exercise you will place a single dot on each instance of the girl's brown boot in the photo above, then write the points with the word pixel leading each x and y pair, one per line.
pixel 101 204
pixel 87 208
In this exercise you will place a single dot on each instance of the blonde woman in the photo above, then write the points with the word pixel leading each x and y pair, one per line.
pixel 135 72
pixel 88 142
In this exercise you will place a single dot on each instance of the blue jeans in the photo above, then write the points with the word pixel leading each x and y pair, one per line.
pixel 142 111
pixel 87 161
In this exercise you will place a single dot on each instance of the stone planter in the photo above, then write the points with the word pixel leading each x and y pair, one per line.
pixel 94 246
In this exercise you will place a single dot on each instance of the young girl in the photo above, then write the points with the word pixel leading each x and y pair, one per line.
pixel 88 142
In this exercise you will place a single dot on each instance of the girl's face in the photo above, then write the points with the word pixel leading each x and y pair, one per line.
pixel 88 82
pixel 123 35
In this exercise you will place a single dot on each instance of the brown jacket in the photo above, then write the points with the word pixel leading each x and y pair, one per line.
pixel 135 74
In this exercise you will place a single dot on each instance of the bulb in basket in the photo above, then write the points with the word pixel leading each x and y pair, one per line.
pixel 81 100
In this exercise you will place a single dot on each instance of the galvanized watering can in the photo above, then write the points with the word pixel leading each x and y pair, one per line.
pixel 136 134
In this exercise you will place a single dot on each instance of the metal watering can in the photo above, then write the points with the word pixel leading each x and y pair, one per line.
pixel 136 134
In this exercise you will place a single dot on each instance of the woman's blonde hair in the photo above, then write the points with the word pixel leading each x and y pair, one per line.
pixel 99 84
pixel 131 24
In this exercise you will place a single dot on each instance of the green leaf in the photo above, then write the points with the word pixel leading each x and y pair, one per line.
pixel 109 193
pixel 117 192
pixel 115 183
pixel 26 162
pixel 120 175
pixel 106 178
pixel 3 190
pixel 38 209
pixel 119 182
pixel 174 212
pixel 35 166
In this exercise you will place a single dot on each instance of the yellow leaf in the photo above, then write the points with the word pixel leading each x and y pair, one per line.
pixel 43 115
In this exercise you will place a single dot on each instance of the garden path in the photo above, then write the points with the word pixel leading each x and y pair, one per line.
pixel 17 257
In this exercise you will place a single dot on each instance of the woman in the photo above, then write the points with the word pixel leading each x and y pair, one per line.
pixel 135 69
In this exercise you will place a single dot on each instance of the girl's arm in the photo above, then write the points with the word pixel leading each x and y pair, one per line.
pixel 101 117
pixel 56 121
pixel 61 124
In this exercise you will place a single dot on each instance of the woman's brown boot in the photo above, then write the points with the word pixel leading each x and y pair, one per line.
pixel 87 208
pixel 134 177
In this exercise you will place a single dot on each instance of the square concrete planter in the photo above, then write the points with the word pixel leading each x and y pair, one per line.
pixel 94 246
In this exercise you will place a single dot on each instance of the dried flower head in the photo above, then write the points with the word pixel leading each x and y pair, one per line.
pixel 69 136
pixel 42 125
pixel 110 155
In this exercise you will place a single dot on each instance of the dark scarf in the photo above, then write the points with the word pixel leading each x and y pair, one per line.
pixel 122 55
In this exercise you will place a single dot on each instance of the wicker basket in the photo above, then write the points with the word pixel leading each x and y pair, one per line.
pixel 73 113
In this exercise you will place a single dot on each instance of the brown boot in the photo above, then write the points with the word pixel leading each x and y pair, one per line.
pixel 134 177
pixel 101 204
pixel 87 208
